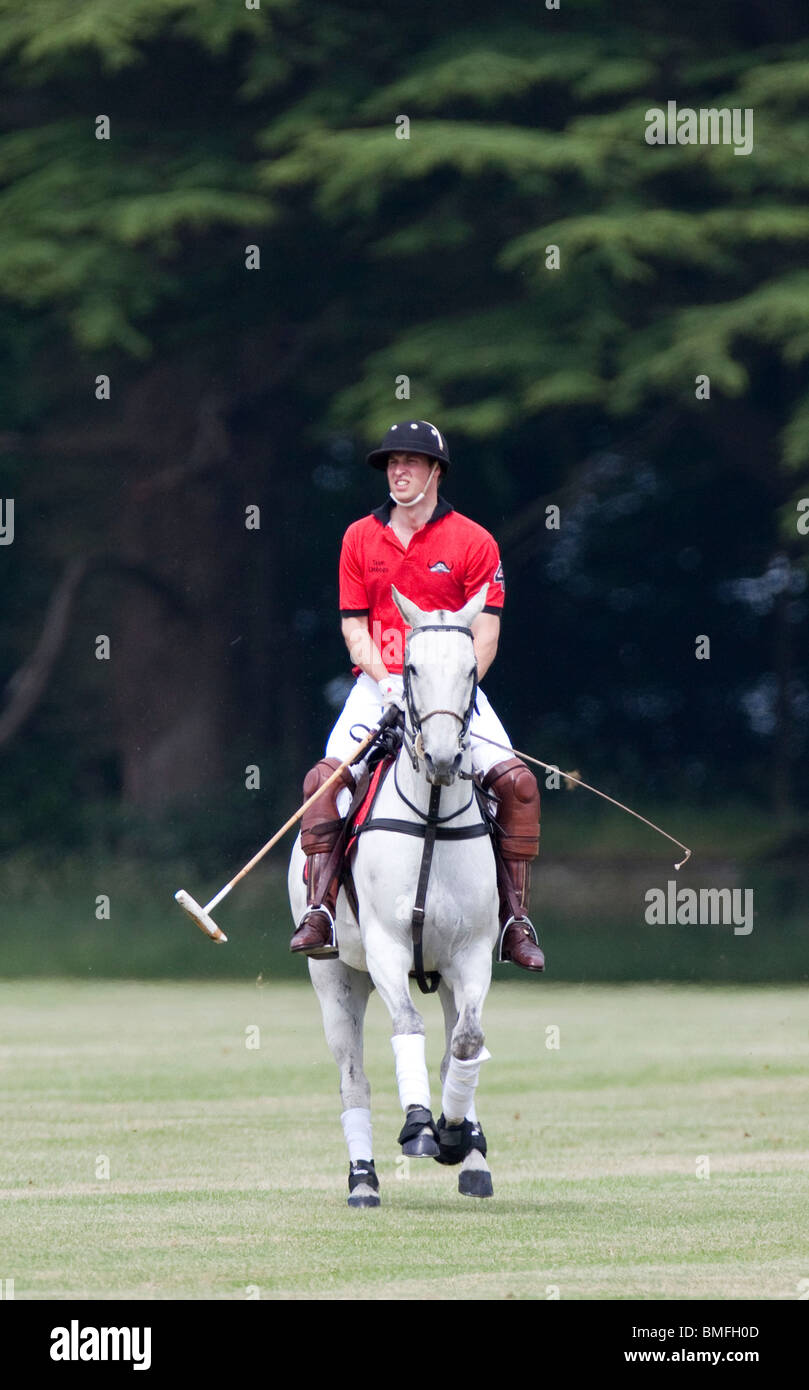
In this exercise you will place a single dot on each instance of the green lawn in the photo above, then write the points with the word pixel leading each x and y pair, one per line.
pixel 227 1164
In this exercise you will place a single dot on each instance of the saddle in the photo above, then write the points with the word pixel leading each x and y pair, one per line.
pixel 358 814
pixel 362 804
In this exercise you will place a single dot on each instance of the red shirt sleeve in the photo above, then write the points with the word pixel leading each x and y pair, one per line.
pixel 353 594
pixel 484 564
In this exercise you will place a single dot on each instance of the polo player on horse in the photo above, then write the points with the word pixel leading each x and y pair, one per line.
pixel 439 559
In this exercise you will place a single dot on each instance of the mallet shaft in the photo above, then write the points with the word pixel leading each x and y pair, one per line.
pixel 292 820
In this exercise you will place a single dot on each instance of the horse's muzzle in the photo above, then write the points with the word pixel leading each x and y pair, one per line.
pixel 442 772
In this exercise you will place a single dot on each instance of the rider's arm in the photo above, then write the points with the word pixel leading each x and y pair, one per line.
pixel 362 650
pixel 483 566
pixel 486 634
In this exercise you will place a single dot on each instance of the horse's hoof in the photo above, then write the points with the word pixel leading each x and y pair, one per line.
pixel 363 1184
pixel 364 1199
pixel 423 1146
pixel 419 1136
pixel 475 1183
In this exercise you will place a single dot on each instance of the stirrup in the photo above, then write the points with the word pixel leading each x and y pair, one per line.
pixel 510 923
pixel 329 950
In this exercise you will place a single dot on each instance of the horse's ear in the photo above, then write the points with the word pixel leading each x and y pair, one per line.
pixel 466 615
pixel 412 614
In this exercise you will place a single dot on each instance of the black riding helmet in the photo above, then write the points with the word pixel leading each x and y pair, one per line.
pixel 412 437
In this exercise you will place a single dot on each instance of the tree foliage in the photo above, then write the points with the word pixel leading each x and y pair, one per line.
pixel 425 257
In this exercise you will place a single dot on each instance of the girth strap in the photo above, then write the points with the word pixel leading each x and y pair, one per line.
pixel 419 829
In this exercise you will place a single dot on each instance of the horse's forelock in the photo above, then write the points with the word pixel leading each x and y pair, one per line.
pixel 436 631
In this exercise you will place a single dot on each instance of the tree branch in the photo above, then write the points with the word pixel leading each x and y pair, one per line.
pixel 29 683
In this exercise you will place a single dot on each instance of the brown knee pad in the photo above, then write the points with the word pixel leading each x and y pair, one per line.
pixel 321 822
pixel 515 787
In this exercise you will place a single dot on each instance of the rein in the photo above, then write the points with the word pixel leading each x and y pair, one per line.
pixel 421 814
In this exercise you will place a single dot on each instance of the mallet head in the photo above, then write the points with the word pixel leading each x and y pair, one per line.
pixel 199 916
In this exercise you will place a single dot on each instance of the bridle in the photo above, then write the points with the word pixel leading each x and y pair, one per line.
pixel 415 749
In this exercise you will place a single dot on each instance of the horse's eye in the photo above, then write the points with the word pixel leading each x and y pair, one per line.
pixel 412 670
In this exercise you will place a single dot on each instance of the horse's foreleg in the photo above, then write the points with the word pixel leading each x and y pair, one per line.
pixel 343 994
pixel 466 1044
pixel 450 1019
pixel 461 1137
pixel 389 964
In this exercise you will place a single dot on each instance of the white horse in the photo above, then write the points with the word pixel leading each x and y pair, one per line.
pixel 460 923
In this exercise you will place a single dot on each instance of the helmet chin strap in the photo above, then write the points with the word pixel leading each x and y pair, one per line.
pixel 421 495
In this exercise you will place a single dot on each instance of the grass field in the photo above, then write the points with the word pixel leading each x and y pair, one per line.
pixel 227 1165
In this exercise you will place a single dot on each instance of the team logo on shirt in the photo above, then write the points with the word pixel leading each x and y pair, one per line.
pixel 377 567
pixel 499 577
pixel 439 567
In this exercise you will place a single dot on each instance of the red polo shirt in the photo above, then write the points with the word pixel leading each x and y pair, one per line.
pixel 447 561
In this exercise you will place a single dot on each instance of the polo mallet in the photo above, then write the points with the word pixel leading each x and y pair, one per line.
pixel 201 915
pixel 571 777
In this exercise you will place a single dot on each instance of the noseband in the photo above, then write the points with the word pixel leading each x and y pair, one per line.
pixel 416 720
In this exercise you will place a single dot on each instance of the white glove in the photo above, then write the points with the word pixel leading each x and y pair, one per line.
pixel 391 688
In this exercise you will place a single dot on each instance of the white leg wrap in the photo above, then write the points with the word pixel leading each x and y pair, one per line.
pixel 411 1069
pixel 357 1130
pixel 460 1085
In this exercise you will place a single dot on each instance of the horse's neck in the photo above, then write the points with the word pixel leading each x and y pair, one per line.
pixel 415 786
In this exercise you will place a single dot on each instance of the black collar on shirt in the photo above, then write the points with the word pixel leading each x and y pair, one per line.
pixel 442 508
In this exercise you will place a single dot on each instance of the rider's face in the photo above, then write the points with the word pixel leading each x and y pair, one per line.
pixel 408 474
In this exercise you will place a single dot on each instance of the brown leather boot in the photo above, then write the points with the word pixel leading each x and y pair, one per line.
pixel 315 935
pixel 516 844
pixel 321 825
pixel 518 939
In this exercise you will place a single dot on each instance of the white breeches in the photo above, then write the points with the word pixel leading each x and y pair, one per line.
pixel 364 708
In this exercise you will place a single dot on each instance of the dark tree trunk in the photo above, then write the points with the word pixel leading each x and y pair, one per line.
pixel 175 700
pixel 782 749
